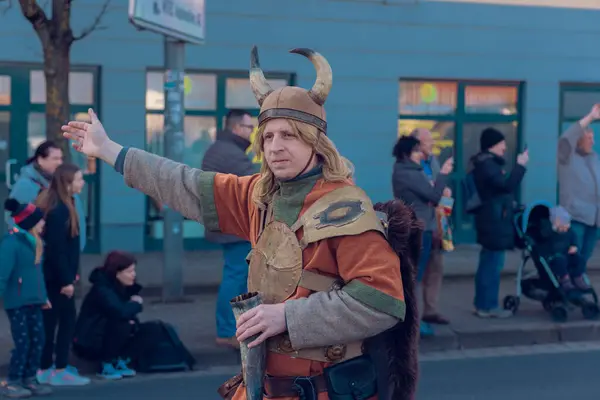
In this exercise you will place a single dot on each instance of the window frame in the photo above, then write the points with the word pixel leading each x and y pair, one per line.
pixel 20 73
pixel 459 118
pixel 192 244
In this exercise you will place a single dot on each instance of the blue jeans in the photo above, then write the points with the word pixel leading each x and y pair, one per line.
pixel 586 241
pixel 487 279
pixel 234 283
pixel 427 242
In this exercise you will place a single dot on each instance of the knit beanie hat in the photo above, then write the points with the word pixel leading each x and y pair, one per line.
pixel 26 216
pixel 489 138
pixel 560 215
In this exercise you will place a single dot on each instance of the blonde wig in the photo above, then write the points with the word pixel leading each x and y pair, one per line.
pixel 335 167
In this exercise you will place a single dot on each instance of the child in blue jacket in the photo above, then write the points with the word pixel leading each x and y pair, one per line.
pixel 24 295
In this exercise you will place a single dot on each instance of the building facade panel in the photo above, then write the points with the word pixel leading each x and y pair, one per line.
pixel 483 48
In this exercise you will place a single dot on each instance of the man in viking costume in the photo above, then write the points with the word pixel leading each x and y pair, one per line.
pixel 338 319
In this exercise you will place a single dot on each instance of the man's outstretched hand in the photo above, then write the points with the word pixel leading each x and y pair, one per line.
pixel 91 138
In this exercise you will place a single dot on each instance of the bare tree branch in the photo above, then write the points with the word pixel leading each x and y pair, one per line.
pixel 61 21
pixel 37 17
pixel 95 26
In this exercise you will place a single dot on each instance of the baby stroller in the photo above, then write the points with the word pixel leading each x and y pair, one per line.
pixel 543 286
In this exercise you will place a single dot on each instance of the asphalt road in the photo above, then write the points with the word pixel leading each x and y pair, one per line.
pixel 555 376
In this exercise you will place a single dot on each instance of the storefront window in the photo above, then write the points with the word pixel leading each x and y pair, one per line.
pixel 427 97
pixel 456 112
pixel 81 87
pixel 4 90
pixel 208 98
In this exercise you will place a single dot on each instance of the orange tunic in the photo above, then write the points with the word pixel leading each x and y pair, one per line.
pixel 367 257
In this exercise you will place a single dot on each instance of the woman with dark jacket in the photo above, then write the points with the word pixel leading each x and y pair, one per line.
pixel 108 316
pixel 494 218
pixel 61 264
pixel 411 185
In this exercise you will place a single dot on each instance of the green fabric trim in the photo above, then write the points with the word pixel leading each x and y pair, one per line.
pixel 374 298
pixel 210 218
pixel 289 199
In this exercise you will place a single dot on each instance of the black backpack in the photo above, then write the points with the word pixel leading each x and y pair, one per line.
pixel 472 201
pixel 161 350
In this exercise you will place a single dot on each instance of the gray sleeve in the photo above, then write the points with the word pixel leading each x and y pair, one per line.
pixel 568 142
pixel 171 183
pixel 328 318
pixel 423 189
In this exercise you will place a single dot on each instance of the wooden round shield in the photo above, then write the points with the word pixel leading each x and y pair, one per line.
pixel 275 264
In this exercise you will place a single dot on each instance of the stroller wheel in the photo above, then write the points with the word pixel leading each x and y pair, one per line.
pixel 547 304
pixel 512 303
pixel 590 311
pixel 559 314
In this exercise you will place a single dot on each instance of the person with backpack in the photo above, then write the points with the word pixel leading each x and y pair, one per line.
pixel 35 177
pixel 108 320
pixel 108 329
pixel 494 217
pixel 24 294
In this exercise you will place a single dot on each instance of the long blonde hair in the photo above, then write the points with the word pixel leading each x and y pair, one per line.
pixel 335 167
pixel 39 246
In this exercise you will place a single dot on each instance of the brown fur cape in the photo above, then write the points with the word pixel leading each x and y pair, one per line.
pixel 395 351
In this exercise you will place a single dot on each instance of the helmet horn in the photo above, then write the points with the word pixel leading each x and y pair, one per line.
pixel 322 86
pixel 258 82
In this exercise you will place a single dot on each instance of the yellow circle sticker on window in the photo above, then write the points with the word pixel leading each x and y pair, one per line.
pixel 428 93
pixel 187 85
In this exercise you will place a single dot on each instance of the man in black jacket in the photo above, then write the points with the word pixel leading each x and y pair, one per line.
pixel 494 218
pixel 228 155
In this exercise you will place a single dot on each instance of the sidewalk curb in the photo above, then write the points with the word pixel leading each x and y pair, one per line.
pixel 447 338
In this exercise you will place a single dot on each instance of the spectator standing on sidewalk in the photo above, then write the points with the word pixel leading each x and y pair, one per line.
pixel 579 182
pixel 61 265
pixel 494 218
pixel 24 295
pixel 35 177
pixel 411 185
pixel 434 272
pixel 228 155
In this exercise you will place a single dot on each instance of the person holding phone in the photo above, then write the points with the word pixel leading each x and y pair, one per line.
pixel 494 218
pixel 411 184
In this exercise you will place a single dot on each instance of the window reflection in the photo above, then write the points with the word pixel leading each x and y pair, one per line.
pixel 200 91
pixel 81 87
pixel 577 104
pixel 4 90
pixel 427 97
pixel 491 99
pixel 238 93
pixel 441 131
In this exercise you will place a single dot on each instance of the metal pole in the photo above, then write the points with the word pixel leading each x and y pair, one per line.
pixel 173 147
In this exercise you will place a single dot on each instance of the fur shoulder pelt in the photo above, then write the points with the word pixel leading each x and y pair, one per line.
pixel 395 351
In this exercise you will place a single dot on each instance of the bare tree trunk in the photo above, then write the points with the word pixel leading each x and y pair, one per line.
pixel 56 70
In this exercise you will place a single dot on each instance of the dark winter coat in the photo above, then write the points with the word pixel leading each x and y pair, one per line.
pixel 494 219
pixel 106 300
pixel 412 186
pixel 62 250
pixel 551 243
pixel 227 155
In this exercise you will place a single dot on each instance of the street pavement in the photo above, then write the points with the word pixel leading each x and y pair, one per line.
pixel 549 374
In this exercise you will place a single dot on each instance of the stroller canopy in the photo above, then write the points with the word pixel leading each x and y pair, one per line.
pixel 534 210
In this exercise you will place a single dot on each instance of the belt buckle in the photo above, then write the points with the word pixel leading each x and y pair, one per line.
pixel 305 387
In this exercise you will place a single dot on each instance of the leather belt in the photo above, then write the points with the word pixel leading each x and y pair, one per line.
pixel 334 354
pixel 291 386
